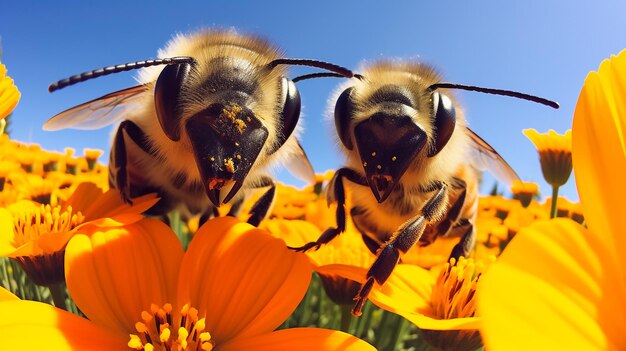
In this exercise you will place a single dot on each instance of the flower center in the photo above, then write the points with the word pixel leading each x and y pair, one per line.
pixel 159 330
pixel 29 225
pixel 454 294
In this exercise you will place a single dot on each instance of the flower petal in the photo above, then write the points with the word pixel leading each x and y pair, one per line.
pixel 299 339
pixel 246 281
pixel 116 274
pixel 551 289
pixel 599 149
pixel 6 295
pixel 7 234
pixel 29 325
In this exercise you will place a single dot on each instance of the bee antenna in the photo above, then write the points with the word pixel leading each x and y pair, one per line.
pixel 342 71
pixel 317 75
pixel 116 69
pixel 510 93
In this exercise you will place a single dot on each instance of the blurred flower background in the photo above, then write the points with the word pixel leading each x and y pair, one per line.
pixel 81 269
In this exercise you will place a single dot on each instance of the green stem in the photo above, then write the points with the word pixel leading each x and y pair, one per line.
pixel 555 197
pixel 346 317
pixel 57 291
pixel 399 333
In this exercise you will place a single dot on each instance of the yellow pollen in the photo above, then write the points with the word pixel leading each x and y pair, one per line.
pixel 364 164
pixel 30 223
pixel 238 157
pixel 229 165
pixel 454 294
pixel 212 158
pixel 171 331
pixel 394 158
pixel 373 153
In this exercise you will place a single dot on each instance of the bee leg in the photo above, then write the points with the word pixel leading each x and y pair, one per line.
pixel 401 241
pixel 338 194
pixel 467 242
pixel 120 161
pixel 264 203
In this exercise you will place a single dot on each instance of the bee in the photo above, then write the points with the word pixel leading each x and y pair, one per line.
pixel 412 164
pixel 209 117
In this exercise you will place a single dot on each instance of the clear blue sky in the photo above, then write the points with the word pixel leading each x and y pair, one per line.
pixel 542 47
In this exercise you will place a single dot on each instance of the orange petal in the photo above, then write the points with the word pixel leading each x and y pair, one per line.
pixel 554 287
pixel 299 339
pixel 599 151
pixel 29 325
pixel 246 281
pixel 115 274
pixel 6 295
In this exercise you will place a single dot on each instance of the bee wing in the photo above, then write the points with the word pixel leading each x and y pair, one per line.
pixel 299 165
pixel 485 157
pixel 99 112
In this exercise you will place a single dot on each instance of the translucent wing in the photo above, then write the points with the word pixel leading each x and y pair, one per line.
pixel 99 112
pixel 299 165
pixel 485 157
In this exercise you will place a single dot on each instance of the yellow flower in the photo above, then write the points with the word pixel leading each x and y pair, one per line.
pixel 560 285
pixel 443 306
pixel 35 235
pixel 9 95
pixel 555 154
pixel 137 287
pixel 524 191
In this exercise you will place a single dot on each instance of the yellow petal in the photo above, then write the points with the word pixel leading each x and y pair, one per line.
pixel 600 152
pixel 299 339
pixel 246 281
pixel 6 295
pixel 29 325
pixel 116 274
pixel 553 288
pixel 7 244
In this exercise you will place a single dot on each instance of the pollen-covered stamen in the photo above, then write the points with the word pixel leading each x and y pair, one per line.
pixel 454 293
pixel 30 225
pixel 160 329
pixel 454 296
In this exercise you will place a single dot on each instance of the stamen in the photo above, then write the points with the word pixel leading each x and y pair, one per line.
pixel 31 224
pixel 183 331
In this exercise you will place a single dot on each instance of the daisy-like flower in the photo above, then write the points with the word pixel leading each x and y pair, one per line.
pixel 9 95
pixel 442 306
pixel 35 235
pixel 559 285
pixel 555 156
pixel 524 191
pixel 230 290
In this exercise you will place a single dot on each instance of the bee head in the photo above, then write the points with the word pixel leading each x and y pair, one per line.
pixel 388 141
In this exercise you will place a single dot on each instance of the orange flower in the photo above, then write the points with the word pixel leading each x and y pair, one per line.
pixel 559 285
pixel 555 154
pixel 35 235
pixel 235 284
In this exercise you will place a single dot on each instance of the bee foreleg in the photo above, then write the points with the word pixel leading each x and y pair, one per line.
pixel 338 195
pixel 122 181
pixel 262 206
pixel 401 241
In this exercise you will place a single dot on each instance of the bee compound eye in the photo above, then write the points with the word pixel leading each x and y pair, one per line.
pixel 290 113
pixel 344 112
pixel 444 123
pixel 167 98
